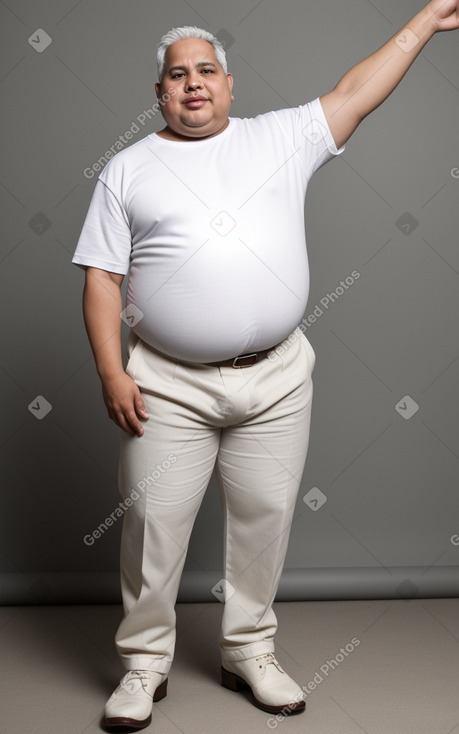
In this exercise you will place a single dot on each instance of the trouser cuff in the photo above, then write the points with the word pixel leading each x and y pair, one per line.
pixel 247 651
pixel 146 662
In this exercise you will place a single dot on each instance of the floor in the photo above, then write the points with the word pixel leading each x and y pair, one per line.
pixel 380 667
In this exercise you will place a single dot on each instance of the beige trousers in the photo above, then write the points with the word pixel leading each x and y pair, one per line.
pixel 252 426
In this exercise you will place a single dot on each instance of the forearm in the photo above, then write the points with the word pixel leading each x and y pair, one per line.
pixel 102 305
pixel 371 81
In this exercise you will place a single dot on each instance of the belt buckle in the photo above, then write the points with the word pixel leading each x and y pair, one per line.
pixel 252 358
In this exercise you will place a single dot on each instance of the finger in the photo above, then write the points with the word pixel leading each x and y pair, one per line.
pixel 134 423
pixel 122 422
pixel 141 408
pixel 139 404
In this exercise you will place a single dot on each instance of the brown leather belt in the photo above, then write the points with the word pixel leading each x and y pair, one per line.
pixel 244 360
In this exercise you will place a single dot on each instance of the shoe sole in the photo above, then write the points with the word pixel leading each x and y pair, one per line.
pixel 124 721
pixel 235 683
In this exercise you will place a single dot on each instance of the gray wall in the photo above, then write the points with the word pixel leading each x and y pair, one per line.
pixel 387 209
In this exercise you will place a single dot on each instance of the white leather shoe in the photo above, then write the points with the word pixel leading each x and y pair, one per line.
pixel 131 703
pixel 273 690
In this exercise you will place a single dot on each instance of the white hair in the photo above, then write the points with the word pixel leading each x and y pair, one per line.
pixel 188 31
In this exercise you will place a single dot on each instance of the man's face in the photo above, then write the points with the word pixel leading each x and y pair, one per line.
pixel 200 106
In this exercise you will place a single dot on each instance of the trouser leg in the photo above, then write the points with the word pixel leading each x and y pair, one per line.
pixel 260 465
pixel 169 468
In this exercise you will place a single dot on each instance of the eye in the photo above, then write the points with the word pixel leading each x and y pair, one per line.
pixel 207 71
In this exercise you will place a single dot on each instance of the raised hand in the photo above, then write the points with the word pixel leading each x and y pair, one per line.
pixel 445 14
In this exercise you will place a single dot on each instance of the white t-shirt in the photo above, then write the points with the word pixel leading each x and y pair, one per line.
pixel 211 232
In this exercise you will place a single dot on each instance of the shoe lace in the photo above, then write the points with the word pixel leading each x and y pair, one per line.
pixel 269 659
pixel 142 675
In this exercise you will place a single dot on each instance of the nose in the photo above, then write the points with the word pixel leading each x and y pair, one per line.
pixel 194 82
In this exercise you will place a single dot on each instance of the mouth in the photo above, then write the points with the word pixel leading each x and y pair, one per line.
pixel 195 102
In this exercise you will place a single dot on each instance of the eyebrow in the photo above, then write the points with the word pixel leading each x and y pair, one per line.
pixel 183 68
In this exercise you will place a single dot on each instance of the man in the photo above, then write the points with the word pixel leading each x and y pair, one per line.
pixel 207 216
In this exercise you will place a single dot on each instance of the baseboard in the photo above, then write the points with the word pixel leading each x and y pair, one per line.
pixel 300 584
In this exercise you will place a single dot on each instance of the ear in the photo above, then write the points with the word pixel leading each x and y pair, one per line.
pixel 230 84
pixel 158 89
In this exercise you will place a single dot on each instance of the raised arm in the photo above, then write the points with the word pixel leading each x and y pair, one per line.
pixel 364 87
pixel 102 305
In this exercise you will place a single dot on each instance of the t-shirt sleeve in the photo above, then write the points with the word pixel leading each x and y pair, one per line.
pixel 105 240
pixel 308 129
